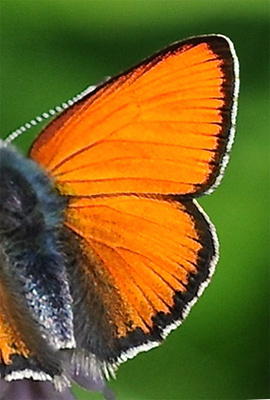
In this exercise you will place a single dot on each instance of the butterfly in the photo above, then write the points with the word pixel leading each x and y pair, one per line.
pixel 104 248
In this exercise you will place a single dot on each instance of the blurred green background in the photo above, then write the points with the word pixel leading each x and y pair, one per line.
pixel 51 50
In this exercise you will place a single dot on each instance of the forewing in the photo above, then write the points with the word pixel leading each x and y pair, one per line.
pixel 165 126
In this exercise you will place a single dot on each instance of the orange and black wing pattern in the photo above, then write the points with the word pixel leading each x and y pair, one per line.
pixel 130 158
pixel 163 127
pixel 145 261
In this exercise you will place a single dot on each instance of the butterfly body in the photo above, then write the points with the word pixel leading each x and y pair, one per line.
pixel 31 216
pixel 101 237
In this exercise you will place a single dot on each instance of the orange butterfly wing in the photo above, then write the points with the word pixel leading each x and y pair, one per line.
pixel 147 250
pixel 11 341
pixel 162 128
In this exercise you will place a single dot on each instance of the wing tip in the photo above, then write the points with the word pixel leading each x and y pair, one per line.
pixel 233 114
